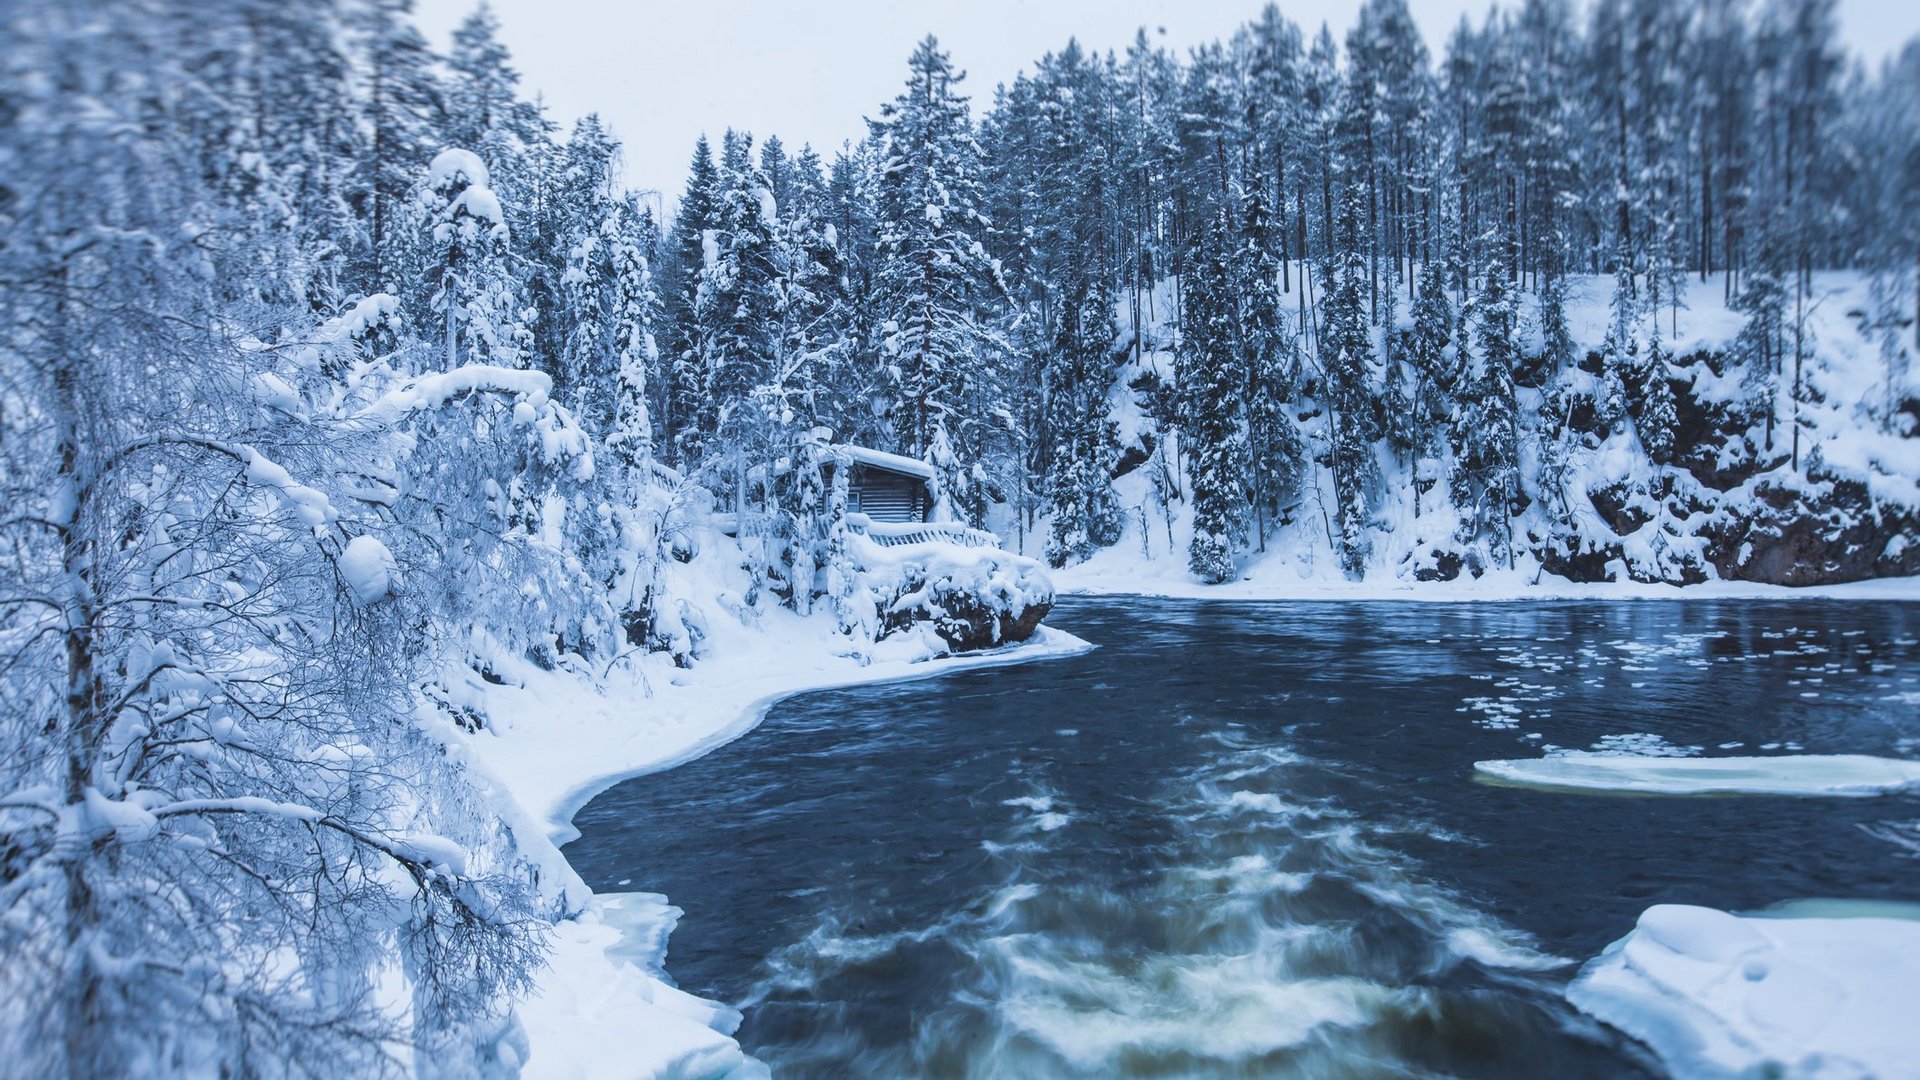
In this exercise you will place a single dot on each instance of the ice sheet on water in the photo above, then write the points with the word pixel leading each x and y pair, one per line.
pixel 1714 994
pixel 1786 774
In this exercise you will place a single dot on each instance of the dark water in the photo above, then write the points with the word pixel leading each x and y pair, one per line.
pixel 1244 839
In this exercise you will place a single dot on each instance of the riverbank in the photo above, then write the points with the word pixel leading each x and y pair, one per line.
pixel 554 739
pixel 1111 574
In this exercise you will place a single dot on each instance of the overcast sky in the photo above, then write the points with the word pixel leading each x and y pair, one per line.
pixel 660 72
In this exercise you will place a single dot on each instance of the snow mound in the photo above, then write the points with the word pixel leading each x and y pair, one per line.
pixel 1718 995
pixel 454 165
pixel 1787 774
pixel 367 567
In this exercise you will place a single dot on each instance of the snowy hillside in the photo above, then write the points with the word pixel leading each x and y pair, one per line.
pixel 1720 507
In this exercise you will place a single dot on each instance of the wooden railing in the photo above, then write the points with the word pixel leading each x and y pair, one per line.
pixel 896 533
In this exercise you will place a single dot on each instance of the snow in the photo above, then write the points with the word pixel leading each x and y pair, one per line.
pixel 367 313
pixel 454 165
pixel 1788 774
pixel 309 504
pixel 367 567
pixel 432 391
pixel 605 1008
pixel 1719 995
pixel 1112 572
pixel 482 203
pixel 880 459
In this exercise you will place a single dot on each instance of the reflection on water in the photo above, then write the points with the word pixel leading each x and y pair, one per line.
pixel 1244 839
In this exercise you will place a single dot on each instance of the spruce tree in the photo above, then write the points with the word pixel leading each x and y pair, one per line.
pixel 1212 381
pixel 694 224
pixel 1487 485
pixel 399 111
pixel 736 312
pixel 464 240
pixel 936 290
pixel 1346 356
pixel 1086 516
pixel 1276 453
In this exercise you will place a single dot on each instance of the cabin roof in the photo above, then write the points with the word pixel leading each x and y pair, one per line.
pixel 880 459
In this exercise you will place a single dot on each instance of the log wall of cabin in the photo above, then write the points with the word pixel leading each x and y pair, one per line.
pixel 887 496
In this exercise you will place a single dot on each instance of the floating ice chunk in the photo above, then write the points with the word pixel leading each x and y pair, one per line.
pixel 1803 774
pixel 1714 994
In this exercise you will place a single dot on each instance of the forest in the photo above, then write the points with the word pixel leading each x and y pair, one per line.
pixel 332 363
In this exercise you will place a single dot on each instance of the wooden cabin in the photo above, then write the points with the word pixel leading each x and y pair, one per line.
pixel 885 487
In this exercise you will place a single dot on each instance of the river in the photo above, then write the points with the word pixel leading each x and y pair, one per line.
pixel 1245 839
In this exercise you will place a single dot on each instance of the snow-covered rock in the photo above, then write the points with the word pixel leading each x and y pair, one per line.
pixel 1787 774
pixel 1718 995
pixel 972 597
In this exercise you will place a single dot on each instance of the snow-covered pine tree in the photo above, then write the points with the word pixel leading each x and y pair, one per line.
pixel 683 374
pixel 1212 382
pixel 803 501
pixel 811 381
pixel 1487 433
pixel 1346 357
pixel 400 104
pixel 1276 453
pixel 936 290
pixel 483 112
pixel 474 297
pixel 1557 350
pixel 1619 350
pixel 1651 398
pixel 634 356
pixel 1760 347
pixel 1086 517
pixel 1435 376
pixel 1552 423
pixel 569 267
pixel 737 313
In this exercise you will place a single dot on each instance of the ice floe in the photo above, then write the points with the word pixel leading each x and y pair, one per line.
pixel 1784 774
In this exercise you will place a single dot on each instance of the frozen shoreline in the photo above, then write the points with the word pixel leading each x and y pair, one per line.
pixel 603 1007
pixel 1168 581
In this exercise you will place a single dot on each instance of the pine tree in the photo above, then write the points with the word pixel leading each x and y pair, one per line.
pixel 1212 382
pixel 736 311
pixel 568 265
pixel 484 113
pixel 1487 486
pixel 1276 453
pixel 1346 355
pixel 935 288
pixel 1653 416
pixel 401 102
pixel 1620 364
pixel 464 237
pixel 1086 516
pixel 1760 347
pixel 693 228
pixel 634 357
